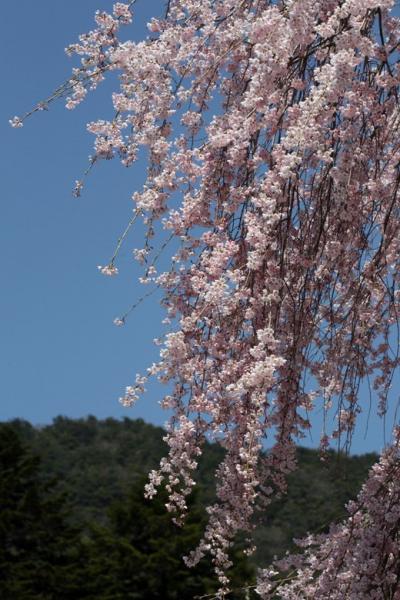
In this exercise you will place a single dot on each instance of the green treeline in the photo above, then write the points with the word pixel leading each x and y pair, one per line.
pixel 74 523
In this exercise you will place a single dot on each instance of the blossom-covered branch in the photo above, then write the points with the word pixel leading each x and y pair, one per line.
pixel 272 131
pixel 360 558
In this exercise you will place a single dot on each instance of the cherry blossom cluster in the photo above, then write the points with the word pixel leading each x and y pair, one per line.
pixel 357 559
pixel 272 135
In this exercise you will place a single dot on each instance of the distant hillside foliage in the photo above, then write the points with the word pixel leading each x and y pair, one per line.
pixel 86 478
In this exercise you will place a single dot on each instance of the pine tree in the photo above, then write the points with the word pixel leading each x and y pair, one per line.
pixel 39 550
pixel 139 555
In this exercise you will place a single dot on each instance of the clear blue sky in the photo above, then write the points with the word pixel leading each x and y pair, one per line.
pixel 60 352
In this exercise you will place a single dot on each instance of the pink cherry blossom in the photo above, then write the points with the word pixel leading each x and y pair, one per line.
pixel 272 136
pixel 360 557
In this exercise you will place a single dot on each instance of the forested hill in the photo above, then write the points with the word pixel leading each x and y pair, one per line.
pixel 97 462
pixel 87 476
